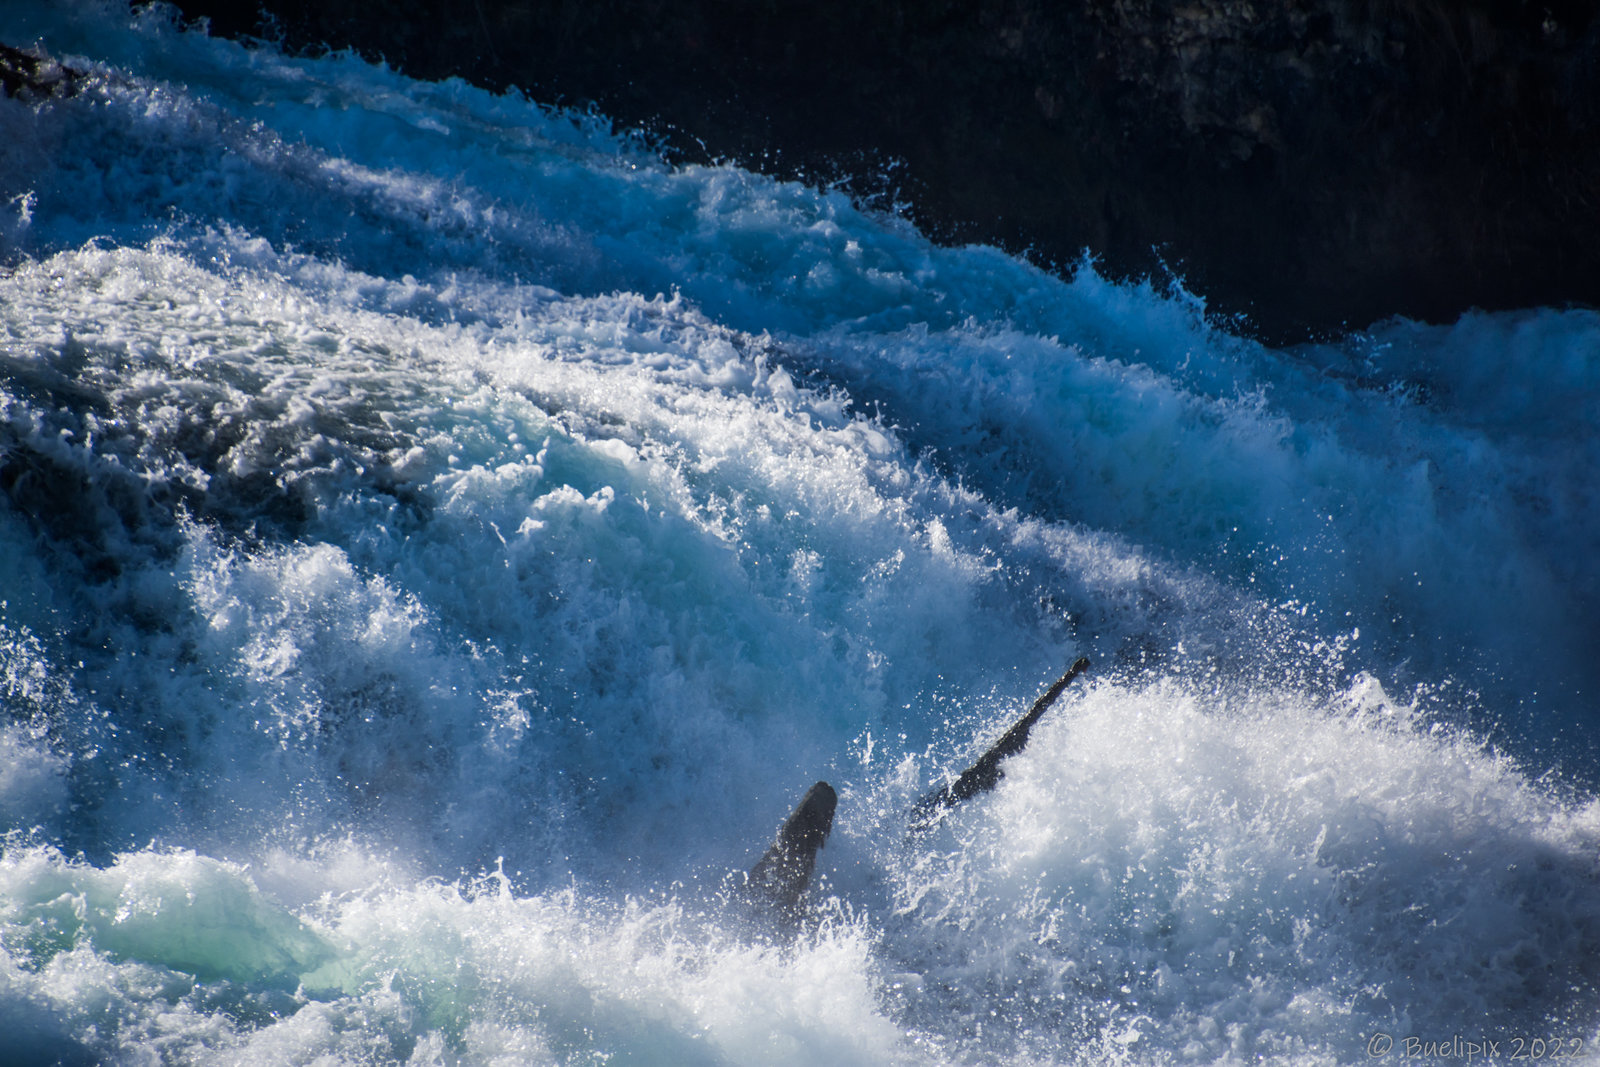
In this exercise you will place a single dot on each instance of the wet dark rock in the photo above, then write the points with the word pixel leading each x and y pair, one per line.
pixel 778 882
pixel 1313 163
pixel 34 77
pixel 986 773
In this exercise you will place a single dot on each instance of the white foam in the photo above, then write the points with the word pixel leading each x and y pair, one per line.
pixel 377 525
pixel 1244 874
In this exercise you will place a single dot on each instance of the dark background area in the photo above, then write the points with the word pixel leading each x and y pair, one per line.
pixel 1314 165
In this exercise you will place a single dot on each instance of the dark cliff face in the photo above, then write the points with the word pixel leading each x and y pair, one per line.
pixel 1315 164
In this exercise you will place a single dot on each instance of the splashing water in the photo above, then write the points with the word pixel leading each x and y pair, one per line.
pixel 441 540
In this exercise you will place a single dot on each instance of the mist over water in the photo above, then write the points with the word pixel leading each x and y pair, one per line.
pixel 442 541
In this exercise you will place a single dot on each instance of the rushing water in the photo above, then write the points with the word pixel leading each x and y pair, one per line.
pixel 442 540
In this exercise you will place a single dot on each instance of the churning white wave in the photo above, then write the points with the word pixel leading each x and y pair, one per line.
pixel 442 540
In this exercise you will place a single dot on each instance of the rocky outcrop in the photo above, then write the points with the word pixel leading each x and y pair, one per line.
pixel 1312 163
pixel 777 884
pixel 31 77
pixel 986 773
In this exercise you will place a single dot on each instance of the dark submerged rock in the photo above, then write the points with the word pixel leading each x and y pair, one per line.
pixel 986 773
pixel 777 883
pixel 1313 163
pixel 27 76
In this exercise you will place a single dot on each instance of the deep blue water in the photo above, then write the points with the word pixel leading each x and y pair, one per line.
pixel 442 540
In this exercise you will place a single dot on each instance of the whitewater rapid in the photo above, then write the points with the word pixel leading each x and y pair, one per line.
pixel 442 540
